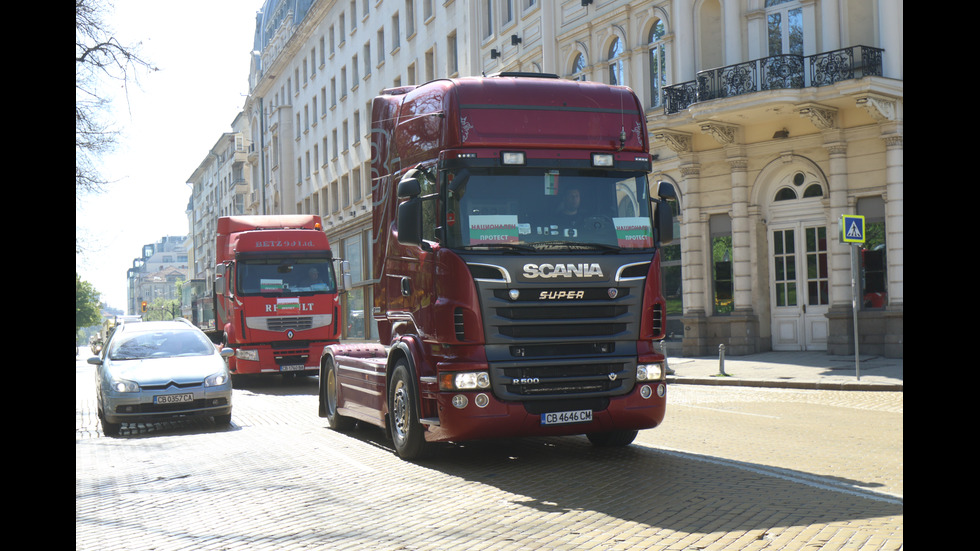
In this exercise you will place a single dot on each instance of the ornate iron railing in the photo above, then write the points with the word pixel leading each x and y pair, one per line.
pixel 774 73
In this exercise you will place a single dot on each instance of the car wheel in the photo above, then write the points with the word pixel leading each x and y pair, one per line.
pixel 406 431
pixel 330 399
pixel 109 429
pixel 612 438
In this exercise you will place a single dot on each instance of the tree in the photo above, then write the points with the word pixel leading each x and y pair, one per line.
pixel 98 55
pixel 87 306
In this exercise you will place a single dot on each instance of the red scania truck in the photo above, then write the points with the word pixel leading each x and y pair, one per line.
pixel 275 294
pixel 517 269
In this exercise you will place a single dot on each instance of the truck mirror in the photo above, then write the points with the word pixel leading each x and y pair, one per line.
pixel 665 222
pixel 409 187
pixel 663 213
pixel 346 282
pixel 410 219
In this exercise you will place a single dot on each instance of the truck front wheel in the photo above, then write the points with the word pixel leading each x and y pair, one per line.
pixel 329 399
pixel 406 431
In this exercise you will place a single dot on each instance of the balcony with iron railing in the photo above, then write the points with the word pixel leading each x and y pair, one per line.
pixel 777 72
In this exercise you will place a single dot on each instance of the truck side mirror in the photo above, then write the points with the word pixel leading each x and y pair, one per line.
pixel 346 282
pixel 219 279
pixel 410 213
pixel 664 214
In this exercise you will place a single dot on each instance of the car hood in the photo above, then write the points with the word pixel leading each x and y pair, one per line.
pixel 160 371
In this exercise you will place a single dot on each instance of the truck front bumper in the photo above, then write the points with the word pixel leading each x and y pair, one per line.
pixel 461 416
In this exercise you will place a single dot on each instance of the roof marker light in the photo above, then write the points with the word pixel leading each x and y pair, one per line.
pixel 602 159
pixel 512 158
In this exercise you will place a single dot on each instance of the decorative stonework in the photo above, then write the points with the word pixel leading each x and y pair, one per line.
pixel 881 108
pixel 824 118
pixel 679 142
pixel 722 133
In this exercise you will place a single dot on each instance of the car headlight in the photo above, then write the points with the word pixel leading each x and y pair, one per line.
pixel 464 381
pixel 122 385
pixel 217 379
pixel 649 372
pixel 247 354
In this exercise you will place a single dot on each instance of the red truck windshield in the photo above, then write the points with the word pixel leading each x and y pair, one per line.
pixel 285 276
pixel 540 209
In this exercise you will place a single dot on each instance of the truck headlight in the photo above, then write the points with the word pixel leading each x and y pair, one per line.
pixel 649 372
pixel 251 355
pixel 464 381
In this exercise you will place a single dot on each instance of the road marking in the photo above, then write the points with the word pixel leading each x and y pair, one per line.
pixel 813 481
pixel 729 411
pixel 346 459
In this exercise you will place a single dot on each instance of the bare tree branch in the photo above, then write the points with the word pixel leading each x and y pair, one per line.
pixel 98 56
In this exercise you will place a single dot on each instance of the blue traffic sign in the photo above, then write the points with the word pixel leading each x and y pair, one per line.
pixel 852 228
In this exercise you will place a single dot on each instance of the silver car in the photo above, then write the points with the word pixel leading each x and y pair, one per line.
pixel 157 370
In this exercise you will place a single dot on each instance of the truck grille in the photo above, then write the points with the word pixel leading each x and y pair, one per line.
pixel 562 378
pixel 296 323
pixel 593 316
pixel 549 341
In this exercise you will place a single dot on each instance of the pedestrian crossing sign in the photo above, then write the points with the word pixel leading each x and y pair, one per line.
pixel 851 228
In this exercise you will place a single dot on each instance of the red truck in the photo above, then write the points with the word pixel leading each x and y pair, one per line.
pixel 275 294
pixel 517 269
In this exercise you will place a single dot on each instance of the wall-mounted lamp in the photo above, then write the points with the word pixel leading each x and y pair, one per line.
pixel 494 54
pixel 780 134
pixel 514 40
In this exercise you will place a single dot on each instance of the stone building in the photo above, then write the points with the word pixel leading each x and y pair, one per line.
pixel 772 118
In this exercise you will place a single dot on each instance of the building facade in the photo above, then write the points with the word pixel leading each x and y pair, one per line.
pixel 772 118
pixel 155 273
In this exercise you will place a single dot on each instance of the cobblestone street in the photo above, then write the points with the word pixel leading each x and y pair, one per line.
pixel 279 479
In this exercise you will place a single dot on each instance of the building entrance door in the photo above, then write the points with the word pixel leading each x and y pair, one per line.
pixel 800 290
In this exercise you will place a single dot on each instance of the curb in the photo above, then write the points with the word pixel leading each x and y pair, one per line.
pixel 811 385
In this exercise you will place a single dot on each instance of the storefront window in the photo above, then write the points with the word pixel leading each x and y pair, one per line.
pixel 721 264
pixel 670 269
pixel 356 312
pixel 874 292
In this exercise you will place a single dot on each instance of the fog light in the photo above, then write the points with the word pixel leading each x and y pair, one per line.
pixel 646 392
pixel 482 400
pixel 661 390
pixel 460 401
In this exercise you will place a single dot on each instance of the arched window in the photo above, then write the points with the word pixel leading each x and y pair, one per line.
pixel 578 67
pixel 615 59
pixel 658 63
pixel 799 180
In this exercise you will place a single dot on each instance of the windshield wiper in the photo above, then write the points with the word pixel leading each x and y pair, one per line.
pixel 488 246
pixel 553 245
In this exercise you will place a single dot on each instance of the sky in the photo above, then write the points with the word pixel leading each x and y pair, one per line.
pixel 168 120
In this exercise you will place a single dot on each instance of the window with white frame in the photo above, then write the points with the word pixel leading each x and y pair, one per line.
pixel 784 27
pixel 615 63
pixel 658 63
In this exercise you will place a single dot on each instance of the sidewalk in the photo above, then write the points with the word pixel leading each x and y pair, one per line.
pixel 812 370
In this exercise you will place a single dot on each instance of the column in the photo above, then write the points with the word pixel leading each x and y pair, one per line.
pixel 742 261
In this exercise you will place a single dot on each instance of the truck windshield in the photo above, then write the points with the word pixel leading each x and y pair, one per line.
pixel 541 209
pixel 285 276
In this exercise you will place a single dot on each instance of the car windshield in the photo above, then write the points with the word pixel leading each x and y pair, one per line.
pixel 285 275
pixel 159 344
pixel 549 209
